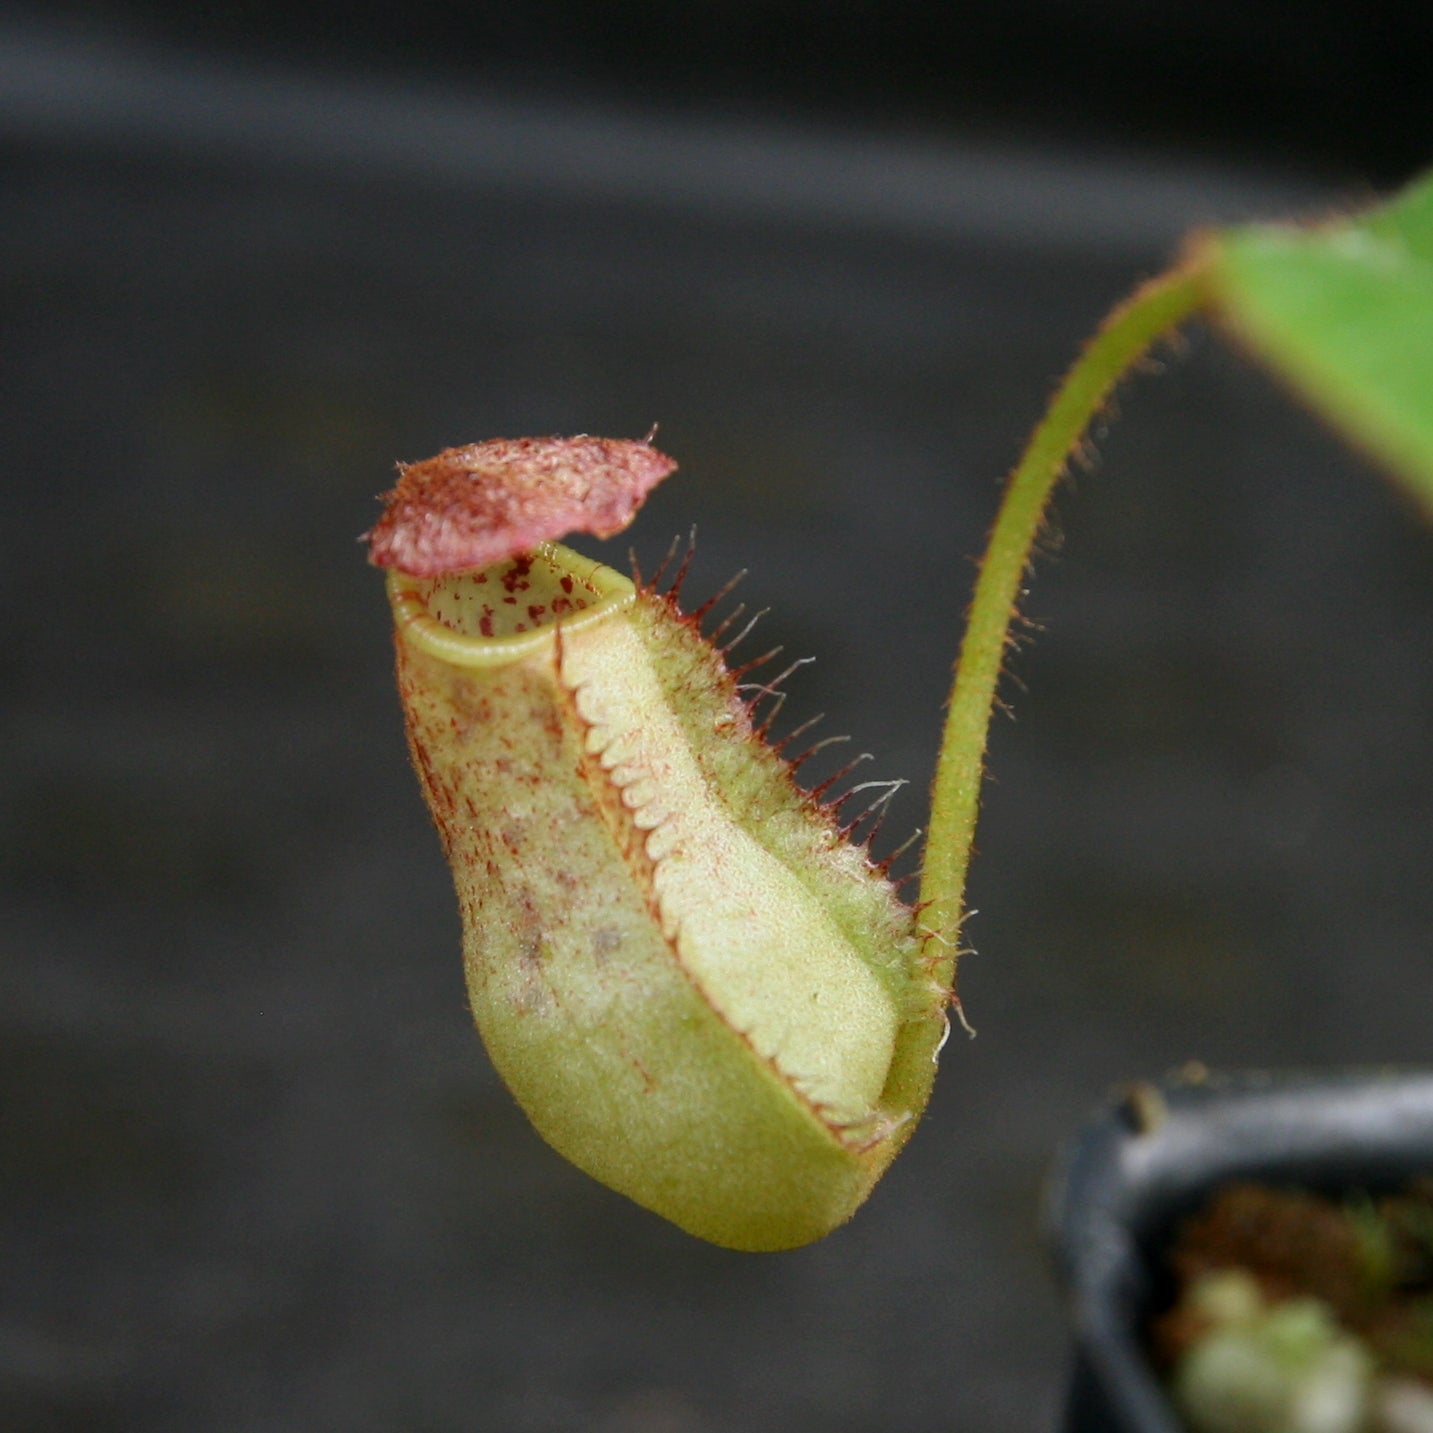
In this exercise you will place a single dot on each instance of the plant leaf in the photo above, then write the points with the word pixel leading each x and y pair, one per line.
pixel 1343 311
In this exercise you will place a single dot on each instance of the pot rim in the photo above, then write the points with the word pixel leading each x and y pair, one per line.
pixel 1154 1154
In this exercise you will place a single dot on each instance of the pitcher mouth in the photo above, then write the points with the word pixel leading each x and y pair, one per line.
pixel 487 617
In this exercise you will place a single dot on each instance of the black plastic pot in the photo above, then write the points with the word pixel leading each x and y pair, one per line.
pixel 1157 1154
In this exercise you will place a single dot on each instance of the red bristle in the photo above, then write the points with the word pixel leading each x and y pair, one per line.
pixel 817 792
pixel 743 634
pixel 773 688
pixel 797 731
pixel 875 829
pixel 665 563
pixel 738 673
pixel 723 591
pixel 884 866
pixel 761 731
pixel 674 592
pixel 835 804
pixel 797 762
pixel 776 681
pixel 877 806
pixel 725 622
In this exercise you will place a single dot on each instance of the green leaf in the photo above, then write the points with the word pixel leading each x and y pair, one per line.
pixel 1343 311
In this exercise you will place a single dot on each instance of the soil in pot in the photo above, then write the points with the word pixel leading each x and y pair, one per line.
pixel 1300 1313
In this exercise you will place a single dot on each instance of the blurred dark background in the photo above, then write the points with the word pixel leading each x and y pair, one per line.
pixel 1299 81
pixel 257 1173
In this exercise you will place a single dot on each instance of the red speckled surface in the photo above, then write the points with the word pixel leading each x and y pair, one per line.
pixel 476 505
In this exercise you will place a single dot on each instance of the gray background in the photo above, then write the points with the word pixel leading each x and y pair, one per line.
pixel 257 1173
